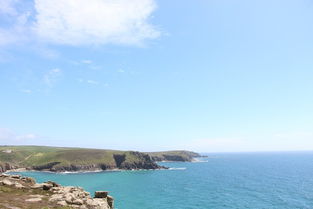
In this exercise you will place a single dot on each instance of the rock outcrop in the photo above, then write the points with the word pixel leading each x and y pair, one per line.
pixel 6 166
pixel 26 193
pixel 142 161
pixel 179 156
pixel 61 159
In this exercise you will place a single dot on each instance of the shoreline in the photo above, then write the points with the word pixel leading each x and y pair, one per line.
pixel 19 170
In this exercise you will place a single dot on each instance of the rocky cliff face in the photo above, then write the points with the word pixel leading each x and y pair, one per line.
pixel 6 166
pixel 180 156
pixel 23 192
pixel 172 158
pixel 144 162
pixel 58 159
pixel 141 161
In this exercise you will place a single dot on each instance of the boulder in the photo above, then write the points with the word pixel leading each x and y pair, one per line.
pixel 18 185
pixel 77 202
pixel 69 198
pixel 47 186
pixel 101 194
pixel 29 180
pixel 56 198
pixel 110 201
pixel 7 182
pixel 53 183
pixel 37 186
pixel 15 176
pixel 36 199
pixel 62 203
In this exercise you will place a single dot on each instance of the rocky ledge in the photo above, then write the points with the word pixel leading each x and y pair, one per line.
pixel 23 192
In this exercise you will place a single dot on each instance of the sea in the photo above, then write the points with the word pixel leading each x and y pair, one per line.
pixel 269 180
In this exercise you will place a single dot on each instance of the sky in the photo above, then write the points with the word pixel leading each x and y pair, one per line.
pixel 149 75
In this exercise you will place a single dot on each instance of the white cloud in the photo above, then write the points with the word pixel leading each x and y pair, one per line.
pixel 92 82
pixel 26 91
pixel 7 136
pixel 15 27
pixel 7 7
pixel 77 22
pixel 81 22
pixel 27 137
pixel 52 76
pixel 86 62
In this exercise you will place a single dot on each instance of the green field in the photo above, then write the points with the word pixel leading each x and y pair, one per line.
pixel 75 159
pixel 178 155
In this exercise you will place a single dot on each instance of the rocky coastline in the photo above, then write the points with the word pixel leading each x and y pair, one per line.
pixel 175 156
pixel 56 159
pixel 20 192
pixel 142 162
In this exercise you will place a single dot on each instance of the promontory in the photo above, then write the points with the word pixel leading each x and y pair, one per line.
pixel 60 159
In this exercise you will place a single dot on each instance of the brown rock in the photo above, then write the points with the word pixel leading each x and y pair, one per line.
pixel 101 194
pixel 78 202
pixel 110 201
pixel 62 203
pixel 53 183
pixel 36 199
pixel 7 182
pixel 47 186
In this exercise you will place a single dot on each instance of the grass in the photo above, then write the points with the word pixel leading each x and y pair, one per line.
pixel 28 156
pixel 178 155
pixel 11 197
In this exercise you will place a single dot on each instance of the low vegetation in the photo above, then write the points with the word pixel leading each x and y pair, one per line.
pixel 72 159
pixel 179 155
pixel 77 159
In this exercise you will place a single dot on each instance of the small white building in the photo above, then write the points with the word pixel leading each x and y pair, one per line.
pixel 7 151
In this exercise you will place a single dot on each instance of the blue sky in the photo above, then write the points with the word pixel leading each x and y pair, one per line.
pixel 150 75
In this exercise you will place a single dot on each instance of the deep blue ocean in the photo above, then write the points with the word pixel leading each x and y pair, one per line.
pixel 246 180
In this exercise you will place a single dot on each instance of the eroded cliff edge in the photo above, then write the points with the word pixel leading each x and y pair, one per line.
pixel 61 159
pixel 57 159
pixel 175 156
pixel 23 192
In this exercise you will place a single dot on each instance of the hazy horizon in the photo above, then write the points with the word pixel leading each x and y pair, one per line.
pixel 153 75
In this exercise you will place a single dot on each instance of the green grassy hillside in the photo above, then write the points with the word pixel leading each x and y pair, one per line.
pixel 178 155
pixel 72 159
pixel 76 159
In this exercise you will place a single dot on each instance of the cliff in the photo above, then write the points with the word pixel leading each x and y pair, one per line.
pixel 58 159
pixel 23 192
pixel 179 155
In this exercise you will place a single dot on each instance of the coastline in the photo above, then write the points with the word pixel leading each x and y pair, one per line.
pixel 19 170
pixel 79 160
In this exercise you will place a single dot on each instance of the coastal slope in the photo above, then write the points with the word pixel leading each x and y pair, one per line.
pixel 59 159
pixel 178 155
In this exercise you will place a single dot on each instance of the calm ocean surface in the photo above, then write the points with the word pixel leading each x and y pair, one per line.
pixel 249 180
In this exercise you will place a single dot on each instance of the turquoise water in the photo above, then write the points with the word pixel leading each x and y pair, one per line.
pixel 250 180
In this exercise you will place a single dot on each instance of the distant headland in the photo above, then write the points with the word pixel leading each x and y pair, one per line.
pixel 64 159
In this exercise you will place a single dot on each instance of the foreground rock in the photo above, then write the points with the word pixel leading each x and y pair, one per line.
pixel 23 192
